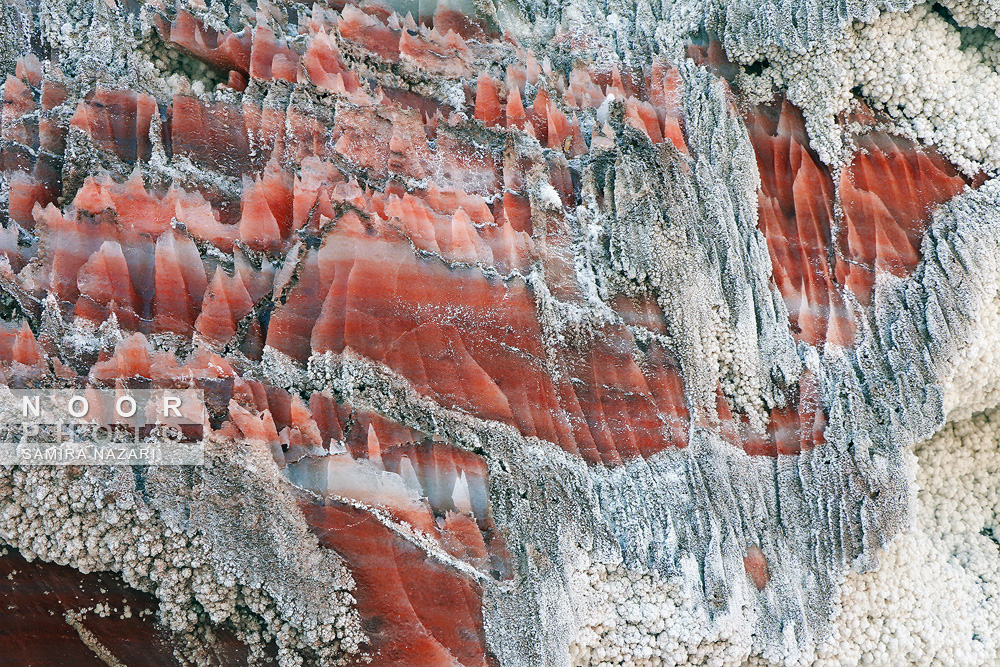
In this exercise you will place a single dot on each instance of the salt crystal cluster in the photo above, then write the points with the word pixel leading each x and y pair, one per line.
pixel 935 80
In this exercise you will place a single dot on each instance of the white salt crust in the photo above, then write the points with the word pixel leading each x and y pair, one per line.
pixel 934 600
pixel 914 66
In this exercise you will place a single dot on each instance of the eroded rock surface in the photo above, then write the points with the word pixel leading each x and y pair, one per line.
pixel 528 333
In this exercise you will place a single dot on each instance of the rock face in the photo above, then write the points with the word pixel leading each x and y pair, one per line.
pixel 884 194
pixel 520 345
pixel 56 616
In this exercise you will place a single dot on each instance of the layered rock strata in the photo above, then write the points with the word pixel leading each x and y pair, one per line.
pixel 519 344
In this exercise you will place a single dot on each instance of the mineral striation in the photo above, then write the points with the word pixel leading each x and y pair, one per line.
pixel 528 333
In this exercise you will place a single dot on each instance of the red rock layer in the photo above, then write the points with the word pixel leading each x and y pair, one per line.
pixel 225 51
pixel 886 195
pixel 439 48
pixel 795 214
pixel 611 402
pixel 652 108
pixel 428 485
pixel 414 609
pixel 607 415
pixel 400 231
pixel 214 135
pixel 118 121
pixel 756 566
pixel 448 500
pixel 450 220
pixel 31 143
pixel 436 45
pixel 825 262
pixel 409 600
pixel 447 487
pixel 475 344
pixel 35 632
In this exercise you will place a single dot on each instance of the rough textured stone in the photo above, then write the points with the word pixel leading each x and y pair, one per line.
pixel 530 333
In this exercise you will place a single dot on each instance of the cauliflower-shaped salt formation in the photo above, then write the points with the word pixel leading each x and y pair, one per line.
pixel 631 619
pixel 973 13
pixel 935 600
pixel 914 66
